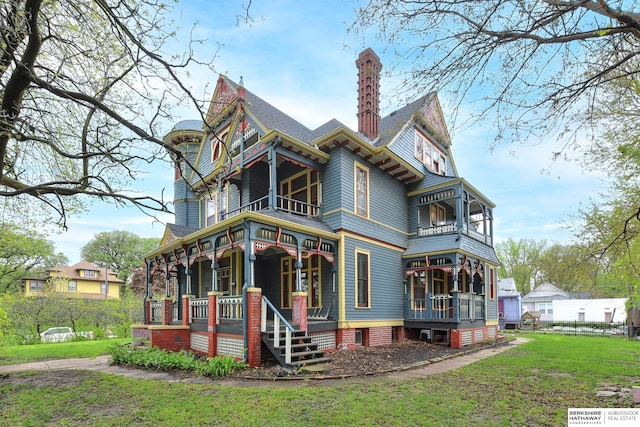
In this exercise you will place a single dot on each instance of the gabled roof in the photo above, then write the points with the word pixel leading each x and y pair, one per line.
pixel 174 231
pixel 425 110
pixel 546 292
pixel 507 288
pixel 73 272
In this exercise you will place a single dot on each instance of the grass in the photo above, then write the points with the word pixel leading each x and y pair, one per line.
pixel 533 384
pixel 13 354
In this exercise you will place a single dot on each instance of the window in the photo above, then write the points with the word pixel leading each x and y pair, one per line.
pixel 362 280
pixel 362 191
pixel 437 215
pixel 608 316
pixel 439 282
pixel 309 276
pixel 90 273
pixel 545 308
pixel 216 206
pixel 418 289
pixel 301 187
pixel 72 286
pixel 581 316
pixel 103 288
pixel 492 283
pixel 428 153
pixel 36 286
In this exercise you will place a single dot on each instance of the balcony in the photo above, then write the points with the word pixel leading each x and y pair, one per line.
pixel 283 204
pixel 454 307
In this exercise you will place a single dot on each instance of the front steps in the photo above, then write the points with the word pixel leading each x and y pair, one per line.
pixel 303 351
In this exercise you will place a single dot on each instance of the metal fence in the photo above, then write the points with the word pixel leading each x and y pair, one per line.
pixel 583 328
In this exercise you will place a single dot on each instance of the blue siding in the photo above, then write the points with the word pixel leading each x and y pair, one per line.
pixel 388 204
pixel 387 287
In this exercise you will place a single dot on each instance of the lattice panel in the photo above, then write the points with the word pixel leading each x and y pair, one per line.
pixel 200 342
pixel 325 340
pixel 478 335
pixel 467 338
pixel 492 332
pixel 231 346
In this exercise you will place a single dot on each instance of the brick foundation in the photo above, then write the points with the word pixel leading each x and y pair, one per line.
pixel 140 332
pixel 173 338
pixel 345 339
pixel 379 336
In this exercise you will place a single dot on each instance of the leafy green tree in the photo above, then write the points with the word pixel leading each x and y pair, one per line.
pixel 521 260
pixel 86 88
pixel 569 267
pixel 530 67
pixel 24 253
pixel 120 250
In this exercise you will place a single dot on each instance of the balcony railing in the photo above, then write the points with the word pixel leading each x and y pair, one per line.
pixel 452 227
pixel 156 312
pixel 282 204
pixel 446 307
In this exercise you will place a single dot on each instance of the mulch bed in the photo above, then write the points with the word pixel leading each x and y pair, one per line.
pixel 363 361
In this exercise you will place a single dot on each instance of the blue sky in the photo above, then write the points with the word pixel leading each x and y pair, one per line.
pixel 298 56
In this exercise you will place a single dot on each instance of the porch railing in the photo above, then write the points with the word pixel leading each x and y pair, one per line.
pixel 230 308
pixel 280 337
pixel 438 229
pixel 284 204
pixel 255 206
pixel 297 207
pixel 198 309
pixel 446 307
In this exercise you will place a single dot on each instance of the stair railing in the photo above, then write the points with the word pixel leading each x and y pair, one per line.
pixel 278 319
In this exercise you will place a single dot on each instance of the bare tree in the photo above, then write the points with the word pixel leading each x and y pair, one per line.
pixel 85 91
pixel 532 66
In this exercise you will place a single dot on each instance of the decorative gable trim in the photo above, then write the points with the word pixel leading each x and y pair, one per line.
pixel 432 117
pixel 223 96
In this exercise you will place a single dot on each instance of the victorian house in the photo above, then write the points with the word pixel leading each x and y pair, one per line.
pixel 296 241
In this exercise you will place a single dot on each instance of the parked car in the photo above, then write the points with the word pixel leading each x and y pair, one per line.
pixel 63 334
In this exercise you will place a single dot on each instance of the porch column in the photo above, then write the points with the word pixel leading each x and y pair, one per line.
pixel 147 311
pixel 188 272
pixel 214 275
pixel 254 317
pixel 273 173
pixel 212 321
pixel 186 310
pixel 299 313
pixel 167 310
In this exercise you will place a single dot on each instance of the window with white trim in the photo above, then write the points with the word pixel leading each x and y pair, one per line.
pixel 429 154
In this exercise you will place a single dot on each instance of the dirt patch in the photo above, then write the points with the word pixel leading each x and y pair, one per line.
pixel 363 361
pixel 51 378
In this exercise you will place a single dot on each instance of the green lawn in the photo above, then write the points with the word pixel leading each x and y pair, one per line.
pixel 13 354
pixel 532 384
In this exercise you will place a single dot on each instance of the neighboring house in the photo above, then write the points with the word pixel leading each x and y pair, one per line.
pixel 81 280
pixel 590 310
pixel 509 304
pixel 541 299
pixel 343 238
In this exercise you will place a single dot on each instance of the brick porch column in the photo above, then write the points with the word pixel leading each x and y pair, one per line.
pixel 212 321
pixel 147 311
pixel 299 312
pixel 167 310
pixel 254 317
pixel 186 310
pixel 456 338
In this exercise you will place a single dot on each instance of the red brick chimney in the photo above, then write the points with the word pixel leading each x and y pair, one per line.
pixel 369 67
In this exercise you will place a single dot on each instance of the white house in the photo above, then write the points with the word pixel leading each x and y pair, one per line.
pixel 590 310
pixel 542 299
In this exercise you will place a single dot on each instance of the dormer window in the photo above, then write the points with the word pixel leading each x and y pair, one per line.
pixel 429 154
